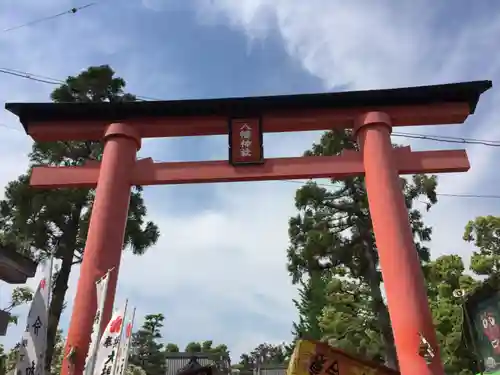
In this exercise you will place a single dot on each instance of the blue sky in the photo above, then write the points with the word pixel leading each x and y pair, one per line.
pixel 218 271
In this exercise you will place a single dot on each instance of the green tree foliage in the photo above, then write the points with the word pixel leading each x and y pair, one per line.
pixel 219 353
pixel 3 360
pixel 172 348
pixel 146 352
pixel 135 370
pixel 193 347
pixel 348 321
pixel 206 347
pixel 9 360
pixel 310 304
pixel 444 276
pixel 58 354
pixel 56 221
pixel 484 232
pixel 20 296
pixel 264 354
pixel 333 231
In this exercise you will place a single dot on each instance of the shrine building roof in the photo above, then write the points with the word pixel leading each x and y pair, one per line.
pixel 464 92
pixel 15 268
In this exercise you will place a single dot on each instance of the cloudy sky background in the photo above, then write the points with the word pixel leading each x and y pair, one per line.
pixel 218 271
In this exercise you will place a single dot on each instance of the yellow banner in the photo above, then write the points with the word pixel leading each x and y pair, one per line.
pixel 316 358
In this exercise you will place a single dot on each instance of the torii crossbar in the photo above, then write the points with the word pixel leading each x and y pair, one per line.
pixel 371 115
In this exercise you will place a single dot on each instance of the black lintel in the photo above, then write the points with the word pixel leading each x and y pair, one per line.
pixel 468 92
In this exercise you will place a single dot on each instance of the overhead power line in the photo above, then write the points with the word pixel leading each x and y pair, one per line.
pixel 48 18
pixel 48 80
pixel 470 196
pixel 30 76
pixel 448 139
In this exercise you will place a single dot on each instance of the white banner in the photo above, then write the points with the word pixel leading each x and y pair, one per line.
pixel 102 289
pixel 123 355
pixel 109 345
pixel 31 356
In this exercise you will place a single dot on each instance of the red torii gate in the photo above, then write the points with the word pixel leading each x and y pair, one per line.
pixel 371 114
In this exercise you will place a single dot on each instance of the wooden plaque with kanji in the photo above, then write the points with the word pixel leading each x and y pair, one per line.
pixel 245 141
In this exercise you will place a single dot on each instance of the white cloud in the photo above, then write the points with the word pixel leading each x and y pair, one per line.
pixel 373 45
pixel 388 45
pixel 384 44
pixel 233 257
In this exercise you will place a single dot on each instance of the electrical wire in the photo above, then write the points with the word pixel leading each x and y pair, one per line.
pixel 30 76
pixel 470 196
pixel 49 80
pixel 436 138
pixel 448 139
pixel 48 18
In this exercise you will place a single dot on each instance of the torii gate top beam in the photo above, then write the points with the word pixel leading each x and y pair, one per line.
pixel 371 114
pixel 425 105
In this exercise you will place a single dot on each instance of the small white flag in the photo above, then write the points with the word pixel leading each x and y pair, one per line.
pixel 124 349
pixel 102 289
pixel 107 351
pixel 31 355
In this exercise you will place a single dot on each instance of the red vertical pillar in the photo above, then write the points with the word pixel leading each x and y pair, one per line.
pixel 104 240
pixel 401 272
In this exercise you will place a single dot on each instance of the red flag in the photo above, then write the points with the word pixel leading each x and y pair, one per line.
pixel 115 325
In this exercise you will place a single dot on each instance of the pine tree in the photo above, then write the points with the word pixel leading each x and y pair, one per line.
pixel 56 221
pixel 312 300
pixel 333 230
pixel 349 322
pixel 146 352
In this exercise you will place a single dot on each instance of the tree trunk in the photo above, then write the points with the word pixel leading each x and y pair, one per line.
pixel 57 304
pixel 66 250
pixel 380 308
